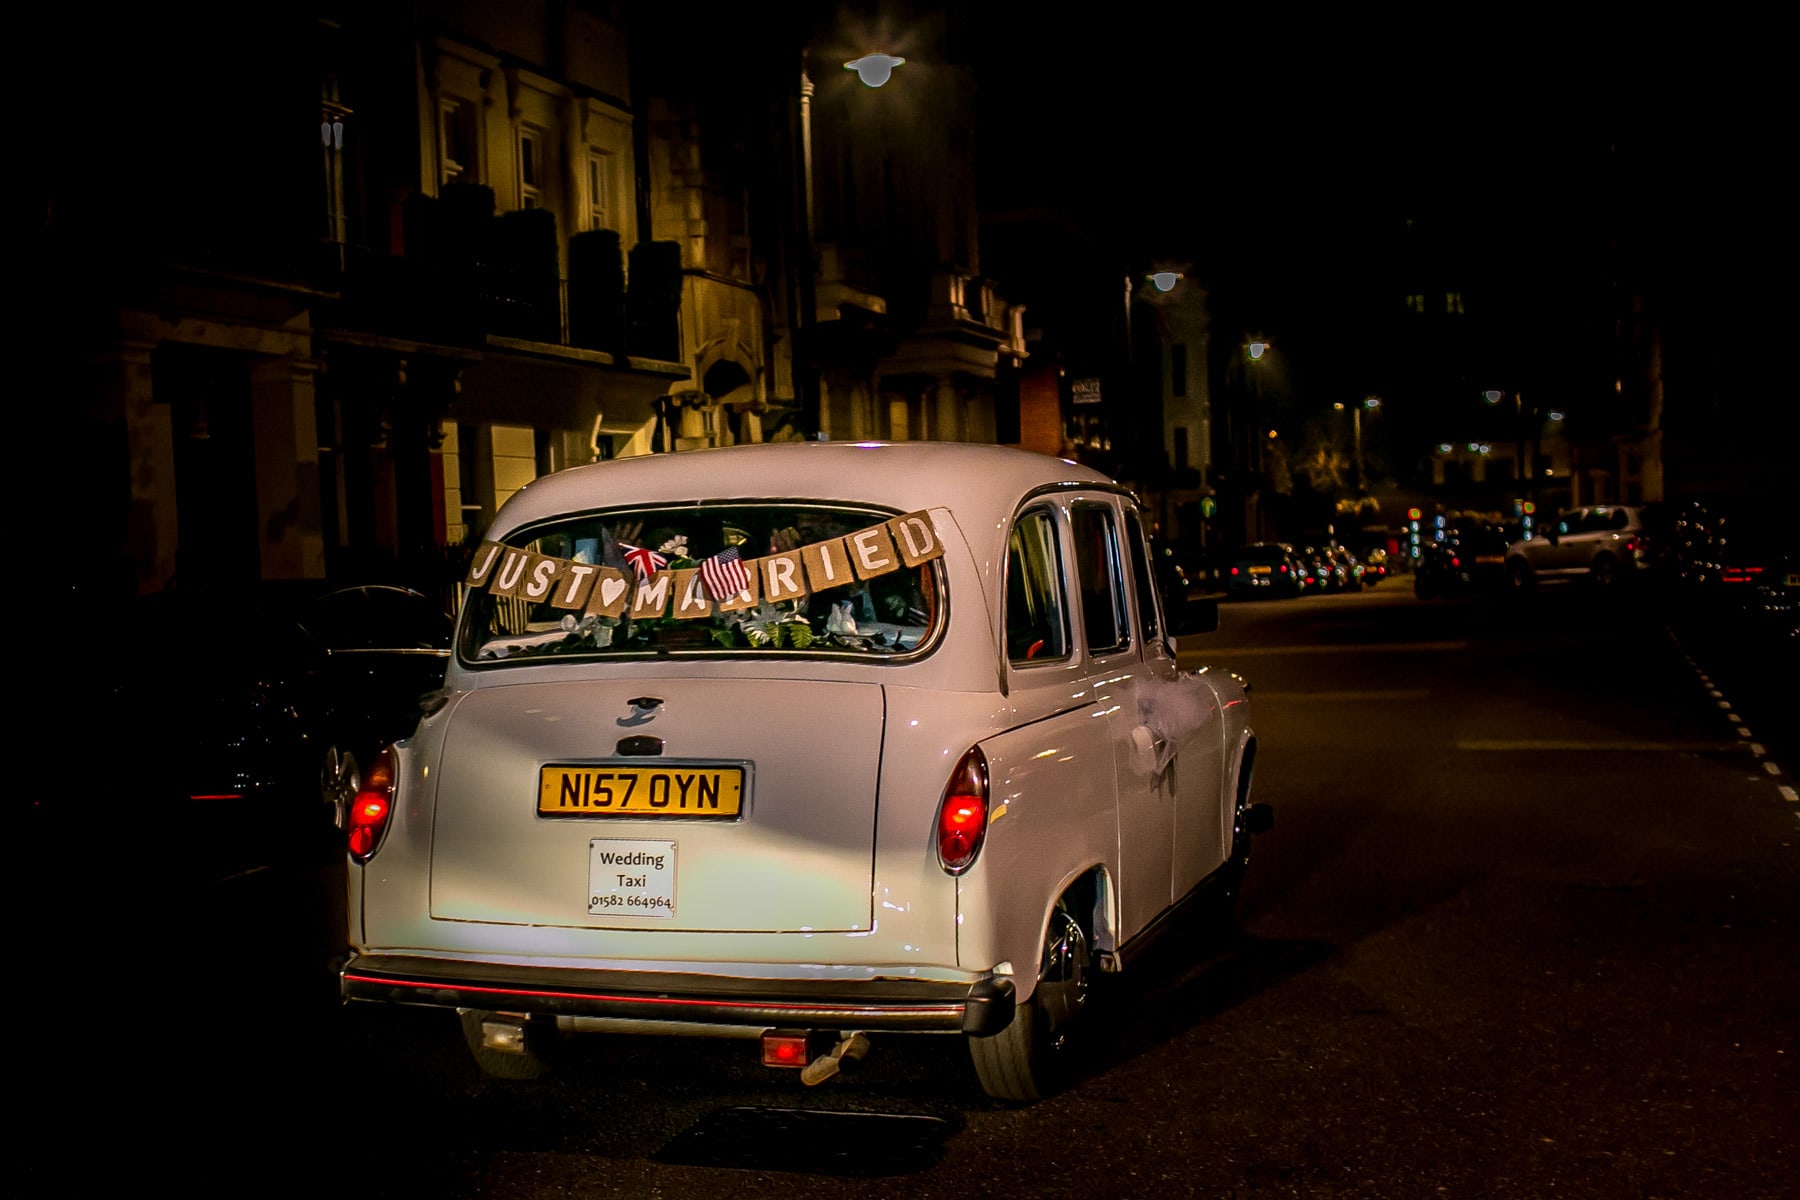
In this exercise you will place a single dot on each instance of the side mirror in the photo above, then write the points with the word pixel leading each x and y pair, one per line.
pixel 1199 614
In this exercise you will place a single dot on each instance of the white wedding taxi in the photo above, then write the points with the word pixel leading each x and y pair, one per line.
pixel 807 743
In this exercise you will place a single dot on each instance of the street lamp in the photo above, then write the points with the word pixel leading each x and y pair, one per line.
pixel 1526 472
pixel 1356 411
pixel 874 69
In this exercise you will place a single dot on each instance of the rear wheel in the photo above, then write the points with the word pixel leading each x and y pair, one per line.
pixel 1033 1057
pixel 1518 576
pixel 1604 572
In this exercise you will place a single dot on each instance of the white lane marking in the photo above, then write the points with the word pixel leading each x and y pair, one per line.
pixel 1530 744
pixel 1769 765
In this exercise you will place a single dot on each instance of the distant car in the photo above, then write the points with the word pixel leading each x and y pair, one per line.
pixel 1746 568
pixel 1354 572
pixel 1264 569
pixel 806 743
pixel 1324 572
pixel 1602 544
pixel 1471 560
pixel 1375 566
pixel 246 719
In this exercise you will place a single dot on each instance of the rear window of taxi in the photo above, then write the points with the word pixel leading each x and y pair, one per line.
pixel 785 579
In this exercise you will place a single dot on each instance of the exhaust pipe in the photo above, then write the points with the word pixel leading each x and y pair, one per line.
pixel 844 1056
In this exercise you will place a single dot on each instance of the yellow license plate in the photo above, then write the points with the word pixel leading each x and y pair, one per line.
pixel 1488 559
pixel 670 790
pixel 1259 570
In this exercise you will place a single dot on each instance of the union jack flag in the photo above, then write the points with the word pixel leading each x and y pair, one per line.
pixel 645 562
pixel 725 574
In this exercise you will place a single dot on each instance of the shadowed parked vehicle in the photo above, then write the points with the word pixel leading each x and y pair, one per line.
pixel 1265 569
pixel 1471 560
pixel 806 743
pixel 245 718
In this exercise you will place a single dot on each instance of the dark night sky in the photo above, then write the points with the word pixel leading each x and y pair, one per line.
pixel 1279 155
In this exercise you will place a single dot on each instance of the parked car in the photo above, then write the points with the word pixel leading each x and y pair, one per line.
pixel 245 717
pixel 805 742
pixel 1603 544
pixel 1354 574
pixel 1471 560
pixel 1264 569
pixel 1323 572
pixel 1375 565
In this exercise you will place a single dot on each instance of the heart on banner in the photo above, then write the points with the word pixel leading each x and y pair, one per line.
pixel 611 589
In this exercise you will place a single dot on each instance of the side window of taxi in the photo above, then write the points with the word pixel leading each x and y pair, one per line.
pixel 1143 579
pixel 1101 581
pixel 1036 628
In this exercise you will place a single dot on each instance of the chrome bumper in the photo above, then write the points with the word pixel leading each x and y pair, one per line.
pixel 982 1008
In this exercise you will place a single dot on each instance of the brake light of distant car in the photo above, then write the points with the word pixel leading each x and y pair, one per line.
pixel 1234 570
pixel 1282 568
pixel 1738 574
pixel 963 813
pixel 373 806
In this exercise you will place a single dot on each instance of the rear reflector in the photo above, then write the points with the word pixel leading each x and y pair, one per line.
pixel 786 1048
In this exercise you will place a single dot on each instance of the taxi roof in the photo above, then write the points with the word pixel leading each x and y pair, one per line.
pixel 980 483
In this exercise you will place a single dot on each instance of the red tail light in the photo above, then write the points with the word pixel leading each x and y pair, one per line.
pixel 963 813
pixel 1234 570
pixel 373 806
pixel 1282 568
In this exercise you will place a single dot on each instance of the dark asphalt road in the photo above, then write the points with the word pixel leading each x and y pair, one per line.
pixel 1527 926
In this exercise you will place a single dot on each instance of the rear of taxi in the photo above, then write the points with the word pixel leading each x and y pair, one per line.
pixel 630 819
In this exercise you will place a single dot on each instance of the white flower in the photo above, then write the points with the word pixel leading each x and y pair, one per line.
pixel 675 547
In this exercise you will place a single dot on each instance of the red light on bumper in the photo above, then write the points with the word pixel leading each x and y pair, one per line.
pixel 786 1048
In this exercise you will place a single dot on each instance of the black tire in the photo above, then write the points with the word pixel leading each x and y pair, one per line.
pixel 1033 1057
pixel 1604 572
pixel 1519 578
pixel 501 1064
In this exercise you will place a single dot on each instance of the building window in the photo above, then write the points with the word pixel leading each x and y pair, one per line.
pixel 1178 369
pixel 531 169
pixel 1416 302
pixel 1453 302
pixel 599 188
pixel 458 149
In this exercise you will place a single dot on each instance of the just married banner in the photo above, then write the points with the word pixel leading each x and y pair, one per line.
pixel 596 588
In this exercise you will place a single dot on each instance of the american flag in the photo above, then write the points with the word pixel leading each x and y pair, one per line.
pixel 645 562
pixel 725 574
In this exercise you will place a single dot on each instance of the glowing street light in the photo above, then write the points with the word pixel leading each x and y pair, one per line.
pixel 1256 350
pixel 874 69
pixel 1164 281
